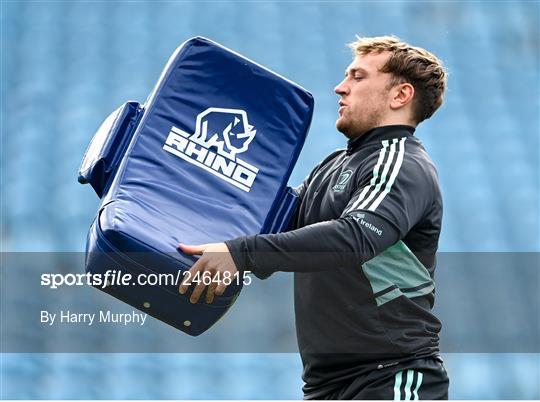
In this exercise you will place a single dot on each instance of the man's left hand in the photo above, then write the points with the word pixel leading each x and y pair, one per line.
pixel 214 262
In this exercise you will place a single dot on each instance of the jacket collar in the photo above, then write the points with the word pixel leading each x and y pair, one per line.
pixel 379 134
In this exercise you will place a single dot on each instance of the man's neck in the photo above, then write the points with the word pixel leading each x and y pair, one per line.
pixel 396 121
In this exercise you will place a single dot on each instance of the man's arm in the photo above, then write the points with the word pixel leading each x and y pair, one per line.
pixel 366 227
pixel 343 242
pixel 321 246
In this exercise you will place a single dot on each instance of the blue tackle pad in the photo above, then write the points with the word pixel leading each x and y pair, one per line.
pixel 206 158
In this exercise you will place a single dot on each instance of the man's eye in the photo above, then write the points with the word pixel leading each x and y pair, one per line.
pixel 358 78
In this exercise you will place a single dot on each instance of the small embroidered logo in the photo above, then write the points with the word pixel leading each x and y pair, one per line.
pixel 342 181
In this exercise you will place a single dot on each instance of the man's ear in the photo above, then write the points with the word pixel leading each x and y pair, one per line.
pixel 402 95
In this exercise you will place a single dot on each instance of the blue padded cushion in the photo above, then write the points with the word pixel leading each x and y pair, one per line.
pixel 209 161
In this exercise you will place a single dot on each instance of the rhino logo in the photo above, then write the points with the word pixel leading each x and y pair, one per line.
pixel 220 134
pixel 227 130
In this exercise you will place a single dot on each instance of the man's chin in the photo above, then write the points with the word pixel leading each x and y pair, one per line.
pixel 343 128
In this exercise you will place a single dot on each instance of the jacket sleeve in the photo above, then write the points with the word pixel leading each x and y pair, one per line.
pixel 389 199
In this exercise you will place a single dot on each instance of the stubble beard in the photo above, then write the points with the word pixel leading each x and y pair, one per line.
pixel 355 127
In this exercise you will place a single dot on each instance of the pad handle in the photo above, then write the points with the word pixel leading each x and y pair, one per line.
pixel 108 146
pixel 282 219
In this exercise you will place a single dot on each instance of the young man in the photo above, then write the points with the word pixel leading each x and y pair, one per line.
pixel 364 239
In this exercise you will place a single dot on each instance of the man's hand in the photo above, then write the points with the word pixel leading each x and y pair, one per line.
pixel 216 260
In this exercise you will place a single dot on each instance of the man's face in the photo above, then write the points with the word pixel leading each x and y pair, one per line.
pixel 364 95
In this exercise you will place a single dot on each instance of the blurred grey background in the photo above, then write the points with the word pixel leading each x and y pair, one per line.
pixel 67 65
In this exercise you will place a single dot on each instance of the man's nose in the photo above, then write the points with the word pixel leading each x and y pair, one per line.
pixel 341 88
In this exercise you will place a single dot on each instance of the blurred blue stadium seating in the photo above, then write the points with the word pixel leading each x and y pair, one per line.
pixel 66 65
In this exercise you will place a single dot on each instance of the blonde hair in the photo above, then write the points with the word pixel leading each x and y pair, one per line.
pixel 422 69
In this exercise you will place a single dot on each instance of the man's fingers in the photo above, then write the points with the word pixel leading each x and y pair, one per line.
pixel 220 289
pixel 189 275
pixel 197 292
pixel 210 292
pixel 192 250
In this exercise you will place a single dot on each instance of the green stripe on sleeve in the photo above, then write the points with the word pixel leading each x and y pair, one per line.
pixel 397 265
pixel 418 383
pixel 397 386
pixel 408 385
